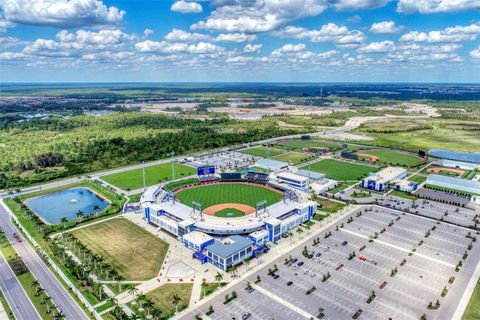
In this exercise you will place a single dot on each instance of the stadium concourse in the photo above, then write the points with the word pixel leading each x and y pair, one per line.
pixel 227 240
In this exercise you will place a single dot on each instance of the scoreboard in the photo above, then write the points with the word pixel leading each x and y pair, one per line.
pixel 206 170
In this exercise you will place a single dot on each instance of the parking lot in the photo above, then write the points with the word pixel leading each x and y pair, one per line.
pixel 224 160
pixel 377 263
pixel 450 213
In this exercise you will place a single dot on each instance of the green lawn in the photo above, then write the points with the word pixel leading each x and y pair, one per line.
pixel 229 213
pixel 210 287
pixel 263 152
pixel 418 178
pixel 294 157
pixel 209 195
pixel 26 281
pixel 391 157
pixel 329 205
pixel 133 179
pixel 402 194
pixel 162 299
pixel 473 309
pixel 6 306
pixel 341 170
pixel 300 144
pixel 134 252
pixel 361 194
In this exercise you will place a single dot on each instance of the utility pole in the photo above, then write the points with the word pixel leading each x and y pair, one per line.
pixel 173 165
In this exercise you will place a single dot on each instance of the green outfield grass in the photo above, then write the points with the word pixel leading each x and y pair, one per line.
pixel 210 195
pixel 341 170
pixel 229 213
pixel 263 152
pixel 294 157
pixel 133 179
pixel 300 144
pixel 134 252
pixel 391 157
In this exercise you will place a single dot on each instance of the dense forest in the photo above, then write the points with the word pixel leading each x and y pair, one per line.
pixel 42 150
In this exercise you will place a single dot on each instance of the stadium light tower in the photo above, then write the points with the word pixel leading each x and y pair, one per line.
pixel 173 165
pixel 143 174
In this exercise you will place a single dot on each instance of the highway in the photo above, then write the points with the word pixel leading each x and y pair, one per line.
pixel 13 291
pixel 60 296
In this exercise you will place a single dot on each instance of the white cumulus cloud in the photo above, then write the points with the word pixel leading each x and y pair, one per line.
pixel 61 13
pixel 378 47
pixel 450 34
pixel 186 7
pixel 251 48
pixel 385 27
pixel 435 6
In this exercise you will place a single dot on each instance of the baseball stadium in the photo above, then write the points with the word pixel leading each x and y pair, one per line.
pixel 232 204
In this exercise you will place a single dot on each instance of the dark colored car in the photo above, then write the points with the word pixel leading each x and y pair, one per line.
pixel 276 276
pixel 300 263
pixel 289 283
pixel 344 243
pixel 318 255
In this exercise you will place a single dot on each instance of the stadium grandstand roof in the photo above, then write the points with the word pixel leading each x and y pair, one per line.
pixel 453 155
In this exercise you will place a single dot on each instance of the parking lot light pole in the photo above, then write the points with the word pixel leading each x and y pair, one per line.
pixel 173 165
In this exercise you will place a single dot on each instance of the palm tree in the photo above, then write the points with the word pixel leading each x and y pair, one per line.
pixel 299 231
pixel 64 221
pixel 80 214
pixel 157 313
pixel 133 290
pixel 98 288
pixel 118 279
pixel 218 278
pixel 204 287
pixel 247 263
pixel 176 300
pixel 148 304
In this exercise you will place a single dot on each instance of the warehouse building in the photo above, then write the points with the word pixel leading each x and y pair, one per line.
pixel 463 185
pixel 272 165
pixel 459 165
pixel 381 180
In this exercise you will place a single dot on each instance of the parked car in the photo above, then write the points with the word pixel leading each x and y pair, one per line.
pixel 344 243
pixel 246 315
pixel 276 276
pixel 289 283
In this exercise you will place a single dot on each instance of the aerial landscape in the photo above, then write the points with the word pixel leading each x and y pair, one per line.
pixel 239 159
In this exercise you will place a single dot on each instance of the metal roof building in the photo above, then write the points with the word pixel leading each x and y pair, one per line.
pixel 310 174
pixel 453 155
pixel 271 164
pixel 459 184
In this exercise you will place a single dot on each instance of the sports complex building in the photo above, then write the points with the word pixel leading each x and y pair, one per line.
pixel 228 219
pixel 382 179
pixel 456 156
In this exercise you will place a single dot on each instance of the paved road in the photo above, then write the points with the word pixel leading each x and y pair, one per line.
pixel 60 296
pixel 16 297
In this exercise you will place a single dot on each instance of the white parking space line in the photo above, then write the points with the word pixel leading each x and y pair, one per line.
pixel 401 249
pixel 282 301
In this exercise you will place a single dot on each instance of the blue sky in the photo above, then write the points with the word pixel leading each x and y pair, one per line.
pixel 240 40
